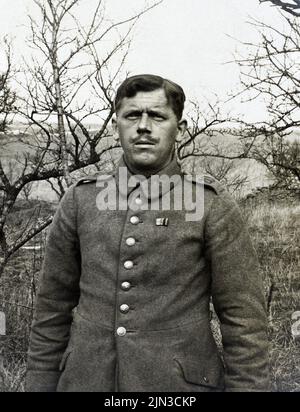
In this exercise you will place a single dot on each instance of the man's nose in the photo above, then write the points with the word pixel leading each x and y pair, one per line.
pixel 144 124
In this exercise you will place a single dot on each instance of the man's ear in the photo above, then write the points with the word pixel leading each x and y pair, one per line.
pixel 182 126
pixel 115 128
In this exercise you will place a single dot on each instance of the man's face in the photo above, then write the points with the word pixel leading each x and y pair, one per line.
pixel 147 128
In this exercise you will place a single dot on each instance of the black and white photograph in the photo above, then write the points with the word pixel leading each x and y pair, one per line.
pixel 149 198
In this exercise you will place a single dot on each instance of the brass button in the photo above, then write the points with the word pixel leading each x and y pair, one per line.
pixel 130 241
pixel 126 286
pixel 121 331
pixel 128 264
pixel 134 220
pixel 124 308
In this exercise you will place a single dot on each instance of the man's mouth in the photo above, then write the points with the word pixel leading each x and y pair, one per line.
pixel 144 143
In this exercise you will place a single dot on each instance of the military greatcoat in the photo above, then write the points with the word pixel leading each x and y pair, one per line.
pixel 123 301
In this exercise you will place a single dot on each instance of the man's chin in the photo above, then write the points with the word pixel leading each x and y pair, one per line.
pixel 146 163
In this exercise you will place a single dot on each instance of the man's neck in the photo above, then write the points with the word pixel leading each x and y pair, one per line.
pixel 147 173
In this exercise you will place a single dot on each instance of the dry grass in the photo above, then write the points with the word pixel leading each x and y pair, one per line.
pixel 275 230
pixel 13 376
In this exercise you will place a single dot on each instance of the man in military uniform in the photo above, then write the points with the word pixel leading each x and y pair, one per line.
pixel 123 301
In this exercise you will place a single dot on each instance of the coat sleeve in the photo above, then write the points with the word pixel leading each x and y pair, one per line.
pixel 58 294
pixel 238 297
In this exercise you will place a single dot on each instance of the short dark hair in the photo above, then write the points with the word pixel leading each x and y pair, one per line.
pixel 148 83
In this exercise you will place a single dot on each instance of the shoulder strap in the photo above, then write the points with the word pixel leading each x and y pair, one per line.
pixel 85 180
pixel 208 181
pixel 93 179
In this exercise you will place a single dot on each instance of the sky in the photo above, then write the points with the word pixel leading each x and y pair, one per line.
pixel 187 41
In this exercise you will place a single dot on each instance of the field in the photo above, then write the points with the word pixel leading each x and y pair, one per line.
pixel 275 229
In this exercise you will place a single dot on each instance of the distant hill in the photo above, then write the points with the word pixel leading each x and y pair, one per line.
pixel 11 147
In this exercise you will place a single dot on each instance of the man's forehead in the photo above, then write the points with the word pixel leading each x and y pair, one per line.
pixel 153 99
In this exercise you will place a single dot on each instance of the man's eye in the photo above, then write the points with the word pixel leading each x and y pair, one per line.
pixel 158 117
pixel 132 116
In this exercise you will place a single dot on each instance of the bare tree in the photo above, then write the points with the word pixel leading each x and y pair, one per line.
pixel 72 76
pixel 211 146
pixel 271 71
pixel 291 6
pixel 203 119
pixel 69 81
pixel 27 191
pixel 7 95
pixel 57 186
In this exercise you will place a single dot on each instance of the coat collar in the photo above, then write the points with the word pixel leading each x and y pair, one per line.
pixel 122 172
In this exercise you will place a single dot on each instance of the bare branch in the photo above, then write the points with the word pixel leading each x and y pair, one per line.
pixel 291 6
pixel 59 97
pixel 39 227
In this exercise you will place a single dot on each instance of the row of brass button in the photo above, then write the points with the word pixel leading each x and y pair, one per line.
pixel 124 308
